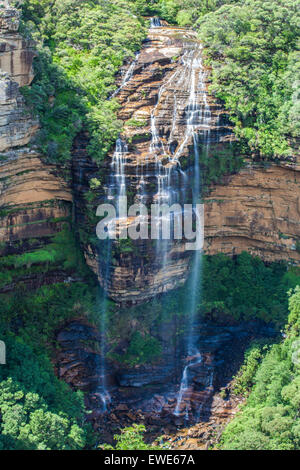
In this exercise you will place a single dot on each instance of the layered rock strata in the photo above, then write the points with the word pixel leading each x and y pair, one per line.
pixel 257 210
pixel 34 197
pixel 164 104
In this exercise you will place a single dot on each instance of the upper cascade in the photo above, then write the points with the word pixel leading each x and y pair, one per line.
pixel 164 107
pixel 155 22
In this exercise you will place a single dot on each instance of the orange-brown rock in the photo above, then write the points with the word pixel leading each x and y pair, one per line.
pixel 30 196
pixel 168 82
pixel 16 53
pixel 257 210
pixel 17 126
pixel 34 197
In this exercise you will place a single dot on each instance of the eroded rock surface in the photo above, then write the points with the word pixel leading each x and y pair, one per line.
pixel 148 394
pixel 257 210
pixel 164 104
pixel 34 197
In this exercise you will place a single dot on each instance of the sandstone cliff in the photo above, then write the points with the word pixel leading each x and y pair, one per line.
pixel 162 96
pixel 257 210
pixel 32 194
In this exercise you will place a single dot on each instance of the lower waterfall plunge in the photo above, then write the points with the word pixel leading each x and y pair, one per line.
pixel 194 356
pixel 102 388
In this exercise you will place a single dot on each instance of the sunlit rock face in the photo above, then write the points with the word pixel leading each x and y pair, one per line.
pixel 34 198
pixel 16 53
pixel 164 106
pixel 16 56
pixel 257 210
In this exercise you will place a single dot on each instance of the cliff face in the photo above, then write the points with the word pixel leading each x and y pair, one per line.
pixel 32 195
pixel 257 210
pixel 163 98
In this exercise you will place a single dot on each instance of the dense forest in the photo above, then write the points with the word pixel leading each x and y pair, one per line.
pixel 252 49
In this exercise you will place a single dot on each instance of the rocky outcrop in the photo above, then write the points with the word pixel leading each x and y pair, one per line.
pixel 168 83
pixel 149 393
pixel 16 55
pixel 257 210
pixel 17 126
pixel 31 197
pixel 34 197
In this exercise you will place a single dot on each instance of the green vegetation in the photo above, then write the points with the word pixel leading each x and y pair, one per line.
pixel 270 418
pixel 182 12
pixel 245 288
pixel 38 412
pixel 253 48
pixel 36 315
pixel 61 253
pixel 218 163
pixel 233 289
pixel 244 381
pixel 136 123
pixel 131 439
pixel 142 349
pixel 81 47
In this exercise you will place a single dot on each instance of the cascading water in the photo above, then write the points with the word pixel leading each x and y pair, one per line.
pixel 155 22
pixel 116 193
pixel 102 389
pixel 128 75
pixel 183 98
pixel 198 123
pixel 117 187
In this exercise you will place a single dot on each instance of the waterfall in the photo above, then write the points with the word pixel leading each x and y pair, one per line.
pixel 118 166
pixel 102 389
pixel 155 22
pixel 116 193
pixel 128 75
pixel 198 121
pixel 182 96
pixel 117 187
pixel 197 118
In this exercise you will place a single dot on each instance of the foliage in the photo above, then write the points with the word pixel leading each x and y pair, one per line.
pixel 217 163
pixel 35 315
pixel 245 288
pixel 38 412
pixel 182 12
pixel 131 439
pixel 242 288
pixel 252 48
pixel 142 349
pixel 270 418
pixel 243 382
pixel 81 47
pixel 61 253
